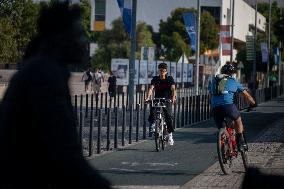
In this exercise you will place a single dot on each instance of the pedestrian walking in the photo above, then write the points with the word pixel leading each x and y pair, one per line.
pixel 97 83
pixel 87 77
pixel 111 84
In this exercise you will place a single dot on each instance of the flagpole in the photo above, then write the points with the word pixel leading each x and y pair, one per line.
pixel 197 50
pixel 132 54
pixel 232 37
pixel 268 61
pixel 254 60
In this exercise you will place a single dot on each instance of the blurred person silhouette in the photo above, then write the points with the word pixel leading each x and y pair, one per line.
pixel 255 178
pixel 38 137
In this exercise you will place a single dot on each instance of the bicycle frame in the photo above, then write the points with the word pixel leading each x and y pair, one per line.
pixel 161 128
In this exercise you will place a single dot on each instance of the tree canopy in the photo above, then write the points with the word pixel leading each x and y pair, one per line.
pixel 175 39
pixel 17 26
pixel 115 43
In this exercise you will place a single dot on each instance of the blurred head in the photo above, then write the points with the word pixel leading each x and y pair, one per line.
pixel 61 32
pixel 162 69
pixel 229 69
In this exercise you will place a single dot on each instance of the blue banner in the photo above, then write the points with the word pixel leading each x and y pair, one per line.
pixel 190 26
pixel 125 7
pixel 276 55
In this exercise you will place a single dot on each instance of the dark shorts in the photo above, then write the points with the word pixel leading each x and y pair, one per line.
pixel 87 82
pixel 220 112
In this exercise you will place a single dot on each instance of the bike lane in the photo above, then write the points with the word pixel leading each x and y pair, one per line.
pixel 194 151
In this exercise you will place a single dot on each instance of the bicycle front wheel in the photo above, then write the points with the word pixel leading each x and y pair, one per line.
pixel 157 135
pixel 223 149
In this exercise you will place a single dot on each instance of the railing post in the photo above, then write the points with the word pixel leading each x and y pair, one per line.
pixel 137 121
pixel 190 110
pixel 105 103
pixel 144 121
pixel 86 107
pixel 130 123
pixel 182 112
pixel 123 125
pixel 108 128
pixel 99 132
pixel 116 127
pixel 91 128
pixel 81 120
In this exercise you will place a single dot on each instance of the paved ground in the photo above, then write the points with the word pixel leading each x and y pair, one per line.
pixel 265 153
pixel 191 162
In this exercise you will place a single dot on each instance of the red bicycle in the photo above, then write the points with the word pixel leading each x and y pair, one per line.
pixel 227 147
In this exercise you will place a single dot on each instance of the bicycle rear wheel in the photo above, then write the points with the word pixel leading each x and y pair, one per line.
pixel 244 153
pixel 223 149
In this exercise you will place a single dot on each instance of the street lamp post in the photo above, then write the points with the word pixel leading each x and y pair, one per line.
pixel 197 49
pixel 132 54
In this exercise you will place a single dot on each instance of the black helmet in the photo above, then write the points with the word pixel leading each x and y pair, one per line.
pixel 162 66
pixel 228 69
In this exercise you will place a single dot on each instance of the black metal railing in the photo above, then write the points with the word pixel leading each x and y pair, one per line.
pixel 107 123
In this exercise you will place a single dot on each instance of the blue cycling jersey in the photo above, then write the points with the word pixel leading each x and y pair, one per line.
pixel 231 87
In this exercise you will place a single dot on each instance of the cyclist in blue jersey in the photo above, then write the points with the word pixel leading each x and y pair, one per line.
pixel 222 90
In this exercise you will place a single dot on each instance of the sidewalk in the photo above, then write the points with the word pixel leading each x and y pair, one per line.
pixel 266 153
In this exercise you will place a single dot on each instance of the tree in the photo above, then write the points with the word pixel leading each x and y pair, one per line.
pixel 18 25
pixel 115 43
pixel 175 39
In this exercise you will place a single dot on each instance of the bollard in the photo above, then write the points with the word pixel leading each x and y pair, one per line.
pixel 91 128
pixel 99 132
pixel 115 127
pixel 108 128
pixel 123 125
pixel 137 121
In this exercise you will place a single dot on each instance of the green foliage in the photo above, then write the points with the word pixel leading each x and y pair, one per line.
pixel 175 39
pixel 115 43
pixel 208 33
pixel 18 25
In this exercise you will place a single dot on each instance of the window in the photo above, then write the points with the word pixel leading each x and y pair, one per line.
pixel 100 9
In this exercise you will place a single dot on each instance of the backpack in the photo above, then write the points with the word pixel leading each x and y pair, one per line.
pixel 89 76
pixel 97 79
pixel 219 86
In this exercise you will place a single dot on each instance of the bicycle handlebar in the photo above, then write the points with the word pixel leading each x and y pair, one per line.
pixel 155 100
